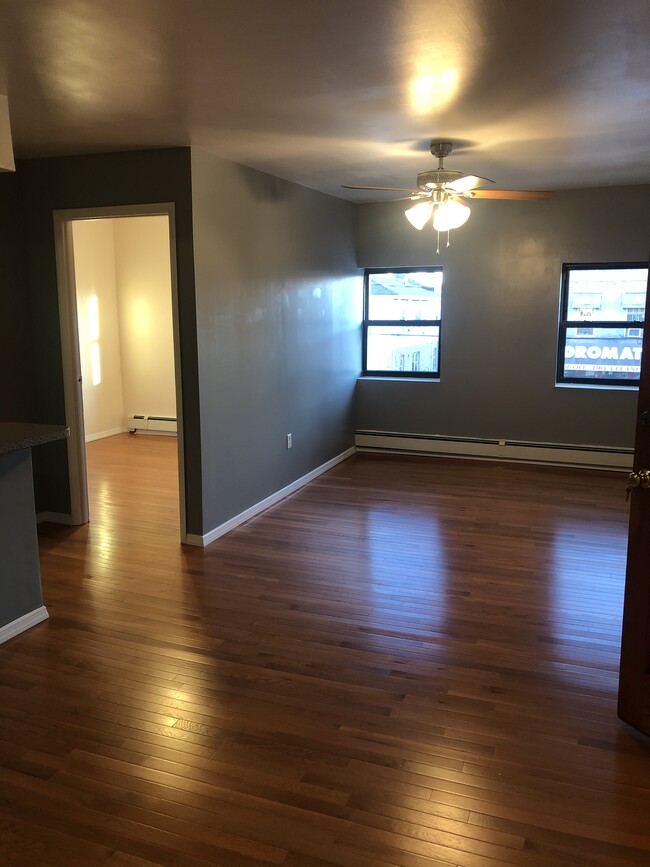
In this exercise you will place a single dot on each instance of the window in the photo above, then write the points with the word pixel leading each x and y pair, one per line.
pixel 596 343
pixel 635 317
pixel 401 326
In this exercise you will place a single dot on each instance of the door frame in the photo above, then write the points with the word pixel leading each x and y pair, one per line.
pixel 69 330
pixel 634 673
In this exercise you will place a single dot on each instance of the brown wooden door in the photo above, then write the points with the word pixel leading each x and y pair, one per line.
pixel 634 682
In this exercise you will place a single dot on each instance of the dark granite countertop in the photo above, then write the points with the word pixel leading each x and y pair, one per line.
pixel 15 435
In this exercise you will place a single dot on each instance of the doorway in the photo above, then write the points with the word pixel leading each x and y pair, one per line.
pixel 119 331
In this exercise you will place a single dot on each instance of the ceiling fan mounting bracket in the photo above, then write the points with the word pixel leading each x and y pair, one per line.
pixel 432 178
pixel 441 149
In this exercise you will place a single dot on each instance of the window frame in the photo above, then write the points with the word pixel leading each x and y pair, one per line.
pixel 565 323
pixel 401 323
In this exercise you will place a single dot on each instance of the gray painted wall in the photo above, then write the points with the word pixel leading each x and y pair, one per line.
pixel 279 307
pixel 100 180
pixel 20 577
pixel 278 301
pixel 16 373
pixel 500 313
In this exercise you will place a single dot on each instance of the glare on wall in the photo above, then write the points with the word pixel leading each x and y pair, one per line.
pixel 95 364
pixel 93 318
pixel 93 336
pixel 7 163
pixel 140 317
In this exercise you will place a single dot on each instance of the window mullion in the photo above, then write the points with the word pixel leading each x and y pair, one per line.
pixel 405 323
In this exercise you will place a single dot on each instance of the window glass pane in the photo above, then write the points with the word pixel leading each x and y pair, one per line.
pixel 405 349
pixel 413 295
pixel 598 294
pixel 607 353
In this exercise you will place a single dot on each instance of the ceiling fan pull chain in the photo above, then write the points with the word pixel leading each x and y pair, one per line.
pixel 438 244
pixel 448 233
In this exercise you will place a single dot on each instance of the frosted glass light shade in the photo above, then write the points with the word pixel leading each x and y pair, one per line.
pixel 450 215
pixel 419 214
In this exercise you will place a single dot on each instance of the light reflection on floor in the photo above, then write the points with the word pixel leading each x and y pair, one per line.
pixel 414 585
pixel 586 584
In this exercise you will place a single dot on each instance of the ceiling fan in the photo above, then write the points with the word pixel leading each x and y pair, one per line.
pixel 442 194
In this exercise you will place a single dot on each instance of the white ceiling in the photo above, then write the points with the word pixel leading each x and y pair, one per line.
pixel 536 94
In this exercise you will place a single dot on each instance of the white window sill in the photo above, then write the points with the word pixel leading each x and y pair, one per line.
pixel 397 379
pixel 597 386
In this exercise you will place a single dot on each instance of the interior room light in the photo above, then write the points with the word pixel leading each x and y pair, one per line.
pixel 450 215
pixel 419 214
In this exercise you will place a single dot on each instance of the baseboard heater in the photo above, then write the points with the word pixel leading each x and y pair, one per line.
pixel 556 454
pixel 158 424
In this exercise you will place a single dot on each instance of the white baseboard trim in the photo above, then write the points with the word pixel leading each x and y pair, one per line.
pixel 152 433
pixel 54 518
pixel 551 454
pixel 105 433
pixel 10 630
pixel 222 529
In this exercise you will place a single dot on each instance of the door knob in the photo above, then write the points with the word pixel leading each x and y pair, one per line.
pixel 637 479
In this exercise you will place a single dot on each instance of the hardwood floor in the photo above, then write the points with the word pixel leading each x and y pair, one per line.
pixel 409 662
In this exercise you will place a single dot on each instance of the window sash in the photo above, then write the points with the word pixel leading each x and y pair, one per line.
pixel 369 323
pixel 567 322
pixel 433 325
pixel 582 367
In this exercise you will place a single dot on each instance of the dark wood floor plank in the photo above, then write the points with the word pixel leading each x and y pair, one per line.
pixel 409 662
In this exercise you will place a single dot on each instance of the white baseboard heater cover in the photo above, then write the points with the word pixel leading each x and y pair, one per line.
pixel 555 454
pixel 151 423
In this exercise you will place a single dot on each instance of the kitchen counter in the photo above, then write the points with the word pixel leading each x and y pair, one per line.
pixel 21 598
pixel 15 435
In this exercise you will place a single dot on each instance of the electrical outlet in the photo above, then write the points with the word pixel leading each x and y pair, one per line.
pixel 289 441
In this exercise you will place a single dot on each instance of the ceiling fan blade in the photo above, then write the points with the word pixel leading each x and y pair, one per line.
pixel 388 201
pixel 518 195
pixel 468 182
pixel 388 189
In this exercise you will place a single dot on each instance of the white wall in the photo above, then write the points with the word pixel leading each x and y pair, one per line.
pixel 142 270
pixel 95 276
pixel 125 263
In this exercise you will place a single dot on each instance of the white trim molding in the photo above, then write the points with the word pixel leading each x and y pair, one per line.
pixel 551 454
pixel 90 438
pixel 10 630
pixel 54 518
pixel 68 326
pixel 222 529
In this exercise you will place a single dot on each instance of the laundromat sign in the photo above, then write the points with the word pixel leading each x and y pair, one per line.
pixel 613 357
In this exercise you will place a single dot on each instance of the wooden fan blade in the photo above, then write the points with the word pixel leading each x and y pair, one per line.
pixel 387 189
pixel 388 201
pixel 518 195
pixel 468 182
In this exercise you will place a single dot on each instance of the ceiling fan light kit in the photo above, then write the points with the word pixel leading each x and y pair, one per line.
pixel 441 194
pixel 419 214
pixel 451 214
